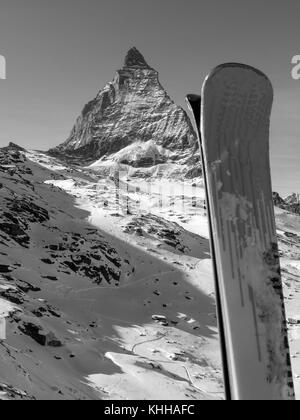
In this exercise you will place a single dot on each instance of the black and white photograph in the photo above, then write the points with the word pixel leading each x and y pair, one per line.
pixel 149 203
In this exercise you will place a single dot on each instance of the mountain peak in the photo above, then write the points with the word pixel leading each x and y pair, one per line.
pixel 135 59
pixel 132 121
pixel 15 146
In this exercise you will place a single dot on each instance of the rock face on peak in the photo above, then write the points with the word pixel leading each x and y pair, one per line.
pixel 135 59
pixel 134 109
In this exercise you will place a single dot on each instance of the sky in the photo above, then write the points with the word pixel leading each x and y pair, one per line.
pixel 59 54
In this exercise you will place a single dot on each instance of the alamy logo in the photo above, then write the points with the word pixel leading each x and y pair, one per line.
pixel 296 68
pixel 2 67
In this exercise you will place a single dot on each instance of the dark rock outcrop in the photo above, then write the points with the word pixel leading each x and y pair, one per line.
pixel 39 334
pixel 11 393
pixel 278 201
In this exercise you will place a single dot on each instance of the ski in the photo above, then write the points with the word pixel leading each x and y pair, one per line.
pixel 194 104
pixel 236 106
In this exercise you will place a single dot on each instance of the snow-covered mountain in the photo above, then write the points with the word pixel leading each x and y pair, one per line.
pixel 290 203
pixel 133 122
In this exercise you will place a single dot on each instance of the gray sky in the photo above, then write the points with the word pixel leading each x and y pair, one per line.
pixel 61 52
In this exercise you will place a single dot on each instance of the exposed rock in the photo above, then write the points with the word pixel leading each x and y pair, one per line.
pixel 15 146
pixel 13 295
pixel 15 232
pixel 159 229
pixel 32 212
pixel 39 334
pixel 159 318
pixel 278 201
pixel 101 263
pixel 43 310
pixel 8 392
pixel 52 278
pixel 291 203
pixel 135 59
pixel 293 199
pixel 47 261
pixel 5 268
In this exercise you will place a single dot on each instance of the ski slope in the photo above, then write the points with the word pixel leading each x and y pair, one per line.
pixel 111 345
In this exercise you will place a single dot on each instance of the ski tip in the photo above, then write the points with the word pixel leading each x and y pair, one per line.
pixel 192 98
pixel 238 66
pixel 194 104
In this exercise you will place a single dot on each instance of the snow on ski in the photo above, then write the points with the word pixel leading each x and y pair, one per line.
pixel 236 107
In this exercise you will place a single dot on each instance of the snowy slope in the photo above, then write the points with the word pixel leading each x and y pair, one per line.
pixel 288 225
pixel 106 285
pixel 87 280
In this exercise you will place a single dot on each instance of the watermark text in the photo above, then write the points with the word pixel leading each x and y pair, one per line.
pixel 296 67
pixel 2 67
